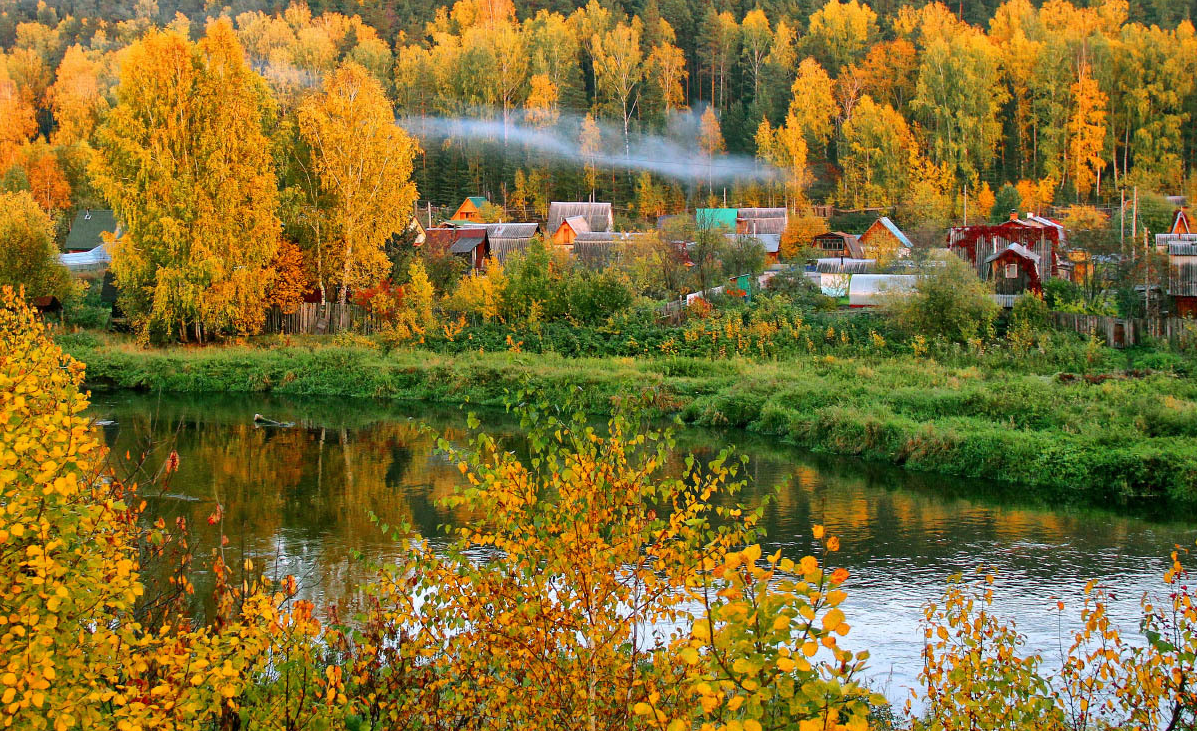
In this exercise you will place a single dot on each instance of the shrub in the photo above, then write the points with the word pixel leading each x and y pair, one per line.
pixel 949 301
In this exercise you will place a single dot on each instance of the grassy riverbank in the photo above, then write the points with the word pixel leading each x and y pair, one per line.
pixel 1109 440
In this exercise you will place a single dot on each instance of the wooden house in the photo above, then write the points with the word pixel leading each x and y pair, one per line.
pixel 1182 273
pixel 468 242
pixel 758 221
pixel 838 243
pixel 568 219
pixel 470 209
pixel 1014 270
pixel 884 240
pixel 1180 222
pixel 1019 252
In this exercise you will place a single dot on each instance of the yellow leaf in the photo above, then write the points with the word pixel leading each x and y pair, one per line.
pixel 641 709
pixel 751 724
pixel 818 531
pixel 689 655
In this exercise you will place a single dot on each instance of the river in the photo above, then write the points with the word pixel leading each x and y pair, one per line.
pixel 298 501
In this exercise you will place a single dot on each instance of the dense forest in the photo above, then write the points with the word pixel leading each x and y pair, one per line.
pixel 898 106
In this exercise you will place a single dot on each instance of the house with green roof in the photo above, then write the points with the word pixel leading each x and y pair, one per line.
pixel 88 227
pixel 470 209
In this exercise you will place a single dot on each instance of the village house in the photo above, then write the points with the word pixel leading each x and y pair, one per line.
pixel 1017 255
pixel 568 219
pixel 884 240
pixel 87 254
pixel 468 242
pixel 838 243
pixel 1180 243
pixel 470 209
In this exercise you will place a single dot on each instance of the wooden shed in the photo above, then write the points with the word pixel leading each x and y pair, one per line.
pixel 470 209
pixel 1182 274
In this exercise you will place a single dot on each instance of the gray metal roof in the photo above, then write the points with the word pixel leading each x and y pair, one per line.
pixel 599 216
pixel 87 261
pixel 466 244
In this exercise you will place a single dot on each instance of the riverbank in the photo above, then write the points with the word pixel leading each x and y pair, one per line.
pixel 1116 440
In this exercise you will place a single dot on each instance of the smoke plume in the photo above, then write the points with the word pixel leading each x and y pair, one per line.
pixel 675 154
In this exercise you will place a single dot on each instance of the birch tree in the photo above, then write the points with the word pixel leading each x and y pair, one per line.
pixel 364 164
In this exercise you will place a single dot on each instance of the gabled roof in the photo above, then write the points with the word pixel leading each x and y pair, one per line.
pixel 477 200
pixel 1180 223
pixel 599 216
pixel 1017 250
pixel 710 218
pixel 579 224
pixel 448 237
pixel 511 230
pixel 892 227
pixel 87 227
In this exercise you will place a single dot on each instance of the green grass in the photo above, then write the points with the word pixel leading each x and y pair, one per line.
pixel 1119 441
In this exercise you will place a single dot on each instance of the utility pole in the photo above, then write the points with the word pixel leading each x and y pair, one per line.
pixel 966 204
pixel 1135 224
pixel 1122 222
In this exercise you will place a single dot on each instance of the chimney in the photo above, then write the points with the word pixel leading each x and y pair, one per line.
pixel 1013 214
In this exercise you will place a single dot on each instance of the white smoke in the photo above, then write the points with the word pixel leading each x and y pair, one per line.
pixel 676 155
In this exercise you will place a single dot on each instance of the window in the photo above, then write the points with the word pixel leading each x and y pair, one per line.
pixel 1011 271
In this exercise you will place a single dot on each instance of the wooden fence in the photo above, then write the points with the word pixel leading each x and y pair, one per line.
pixel 1125 332
pixel 320 319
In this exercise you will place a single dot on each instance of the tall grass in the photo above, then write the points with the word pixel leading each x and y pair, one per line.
pixel 1121 439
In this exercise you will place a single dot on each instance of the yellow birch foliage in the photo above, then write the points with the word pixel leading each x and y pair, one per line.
pixel 187 167
pixel 364 161
pixel 1087 133
pixel 72 653
pixel 76 98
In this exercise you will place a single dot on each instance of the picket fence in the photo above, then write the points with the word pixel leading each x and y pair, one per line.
pixel 1126 332
pixel 320 319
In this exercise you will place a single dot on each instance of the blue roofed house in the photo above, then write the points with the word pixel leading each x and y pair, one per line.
pixel 884 240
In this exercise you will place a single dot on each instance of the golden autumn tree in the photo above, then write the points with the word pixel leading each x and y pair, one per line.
pixel 47 181
pixel 710 141
pixel 17 121
pixel 76 98
pixel 288 277
pixel 785 147
pixel 1087 134
pixel 813 106
pixel 28 255
pixel 364 163
pixel 186 164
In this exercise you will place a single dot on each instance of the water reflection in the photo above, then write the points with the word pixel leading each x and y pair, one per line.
pixel 298 500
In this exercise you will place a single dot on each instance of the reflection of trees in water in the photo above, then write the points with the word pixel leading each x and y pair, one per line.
pixel 303 497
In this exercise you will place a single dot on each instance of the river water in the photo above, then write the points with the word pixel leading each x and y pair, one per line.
pixel 298 501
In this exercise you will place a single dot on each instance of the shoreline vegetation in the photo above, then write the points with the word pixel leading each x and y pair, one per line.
pixel 1109 438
